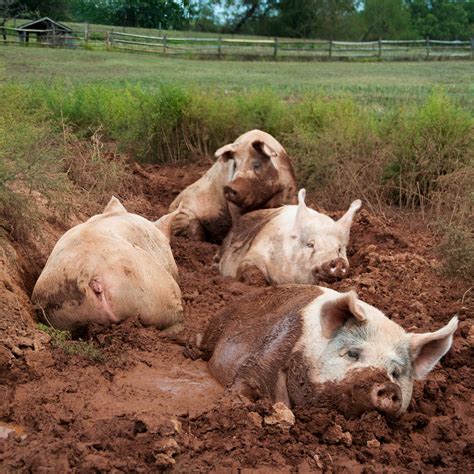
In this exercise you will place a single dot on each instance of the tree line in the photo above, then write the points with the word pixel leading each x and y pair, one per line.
pixel 324 19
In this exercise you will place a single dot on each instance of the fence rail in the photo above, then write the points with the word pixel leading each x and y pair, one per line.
pixel 222 47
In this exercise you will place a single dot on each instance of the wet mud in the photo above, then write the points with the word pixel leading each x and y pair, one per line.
pixel 142 406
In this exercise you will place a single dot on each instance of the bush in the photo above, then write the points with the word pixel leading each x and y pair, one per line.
pixel 30 161
pixel 427 144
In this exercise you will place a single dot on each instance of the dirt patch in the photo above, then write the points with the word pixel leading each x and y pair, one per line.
pixel 145 407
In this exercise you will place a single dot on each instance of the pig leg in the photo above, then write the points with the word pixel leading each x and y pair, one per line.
pixel 186 223
pixel 281 390
pixel 250 274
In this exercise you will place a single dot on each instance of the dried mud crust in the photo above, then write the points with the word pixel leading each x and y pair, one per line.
pixel 144 407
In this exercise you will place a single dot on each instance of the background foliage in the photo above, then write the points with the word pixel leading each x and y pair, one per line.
pixel 325 19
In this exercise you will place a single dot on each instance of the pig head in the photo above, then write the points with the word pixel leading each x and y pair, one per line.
pixel 252 173
pixel 293 244
pixel 260 172
pixel 114 266
pixel 312 346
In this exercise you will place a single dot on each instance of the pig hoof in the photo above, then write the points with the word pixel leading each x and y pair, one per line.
pixel 192 352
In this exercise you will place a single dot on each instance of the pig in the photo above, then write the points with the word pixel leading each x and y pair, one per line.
pixel 292 244
pixel 305 345
pixel 114 266
pixel 254 172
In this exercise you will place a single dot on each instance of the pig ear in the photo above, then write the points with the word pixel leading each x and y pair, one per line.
pixel 338 311
pixel 264 149
pixel 302 212
pixel 114 205
pixel 346 220
pixel 428 348
pixel 225 152
pixel 267 151
pixel 165 222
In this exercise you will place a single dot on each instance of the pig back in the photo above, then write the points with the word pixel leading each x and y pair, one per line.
pixel 253 338
pixel 241 237
pixel 109 269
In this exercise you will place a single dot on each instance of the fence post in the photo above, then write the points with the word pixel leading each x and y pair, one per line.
pixel 111 39
pixel 330 48
pixel 380 48
pixel 275 48
pixel 164 44
pixel 219 47
pixel 86 33
pixel 472 46
pixel 427 47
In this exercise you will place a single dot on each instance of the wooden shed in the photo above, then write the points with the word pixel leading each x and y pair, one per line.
pixel 47 31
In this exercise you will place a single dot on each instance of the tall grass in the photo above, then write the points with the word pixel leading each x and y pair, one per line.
pixel 42 163
pixel 412 156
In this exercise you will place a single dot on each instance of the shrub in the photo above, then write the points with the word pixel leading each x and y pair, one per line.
pixel 427 144
pixel 29 160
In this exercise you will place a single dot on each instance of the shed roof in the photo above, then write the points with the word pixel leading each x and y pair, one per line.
pixel 43 23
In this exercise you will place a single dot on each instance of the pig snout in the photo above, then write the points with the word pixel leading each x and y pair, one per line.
pixel 231 194
pixel 337 268
pixel 387 398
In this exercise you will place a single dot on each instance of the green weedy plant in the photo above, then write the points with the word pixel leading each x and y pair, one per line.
pixel 337 147
pixel 29 160
pixel 427 144
pixel 63 340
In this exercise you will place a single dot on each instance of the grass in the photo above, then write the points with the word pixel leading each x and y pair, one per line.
pixel 376 84
pixel 63 340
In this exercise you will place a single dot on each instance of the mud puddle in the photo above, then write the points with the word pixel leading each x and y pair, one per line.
pixel 7 428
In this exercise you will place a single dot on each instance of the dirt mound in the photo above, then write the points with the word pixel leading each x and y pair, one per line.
pixel 125 398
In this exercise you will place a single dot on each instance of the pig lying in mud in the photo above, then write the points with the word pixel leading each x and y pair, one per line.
pixel 292 244
pixel 114 266
pixel 308 346
pixel 252 173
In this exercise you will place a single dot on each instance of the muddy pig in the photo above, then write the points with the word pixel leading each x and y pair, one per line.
pixel 114 266
pixel 254 172
pixel 292 244
pixel 310 346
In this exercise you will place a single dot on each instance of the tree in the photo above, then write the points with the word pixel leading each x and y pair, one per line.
pixel 144 13
pixel 313 18
pixel 56 9
pixel 386 19
pixel 442 19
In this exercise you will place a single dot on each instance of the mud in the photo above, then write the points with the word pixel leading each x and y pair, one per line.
pixel 142 406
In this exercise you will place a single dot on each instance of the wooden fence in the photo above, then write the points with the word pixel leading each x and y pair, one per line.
pixel 276 49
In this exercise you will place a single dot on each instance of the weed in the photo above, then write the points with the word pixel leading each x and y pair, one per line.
pixel 63 340
pixel 457 249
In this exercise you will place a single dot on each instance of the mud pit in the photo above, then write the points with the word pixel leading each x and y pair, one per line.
pixel 144 407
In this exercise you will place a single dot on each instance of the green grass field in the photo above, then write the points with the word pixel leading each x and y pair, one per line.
pixel 375 84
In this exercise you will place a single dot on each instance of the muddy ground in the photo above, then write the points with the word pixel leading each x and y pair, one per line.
pixel 134 404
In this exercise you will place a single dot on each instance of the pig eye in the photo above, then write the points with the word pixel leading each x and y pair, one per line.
pixel 256 165
pixel 395 374
pixel 310 245
pixel 353 354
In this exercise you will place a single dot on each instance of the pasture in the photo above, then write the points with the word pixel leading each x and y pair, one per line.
pixel 377 84
pixel 79 126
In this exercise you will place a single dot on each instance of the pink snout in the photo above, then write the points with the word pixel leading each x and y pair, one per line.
pixel 231 194
pixel 337 268
pixel 387 398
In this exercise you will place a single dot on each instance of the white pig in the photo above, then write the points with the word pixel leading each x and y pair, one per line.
pixel 291 244
pixel 114 266
pixel 311 346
